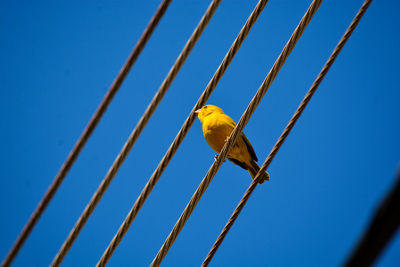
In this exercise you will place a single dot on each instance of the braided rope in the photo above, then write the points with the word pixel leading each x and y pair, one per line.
pixel 287 130
pixel 232 139
pixel 73 155
pixel 182 133
pixel 135 133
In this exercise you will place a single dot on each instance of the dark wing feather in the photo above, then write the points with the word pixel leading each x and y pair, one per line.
pixel 253 155
pixel 249 147
pixel 237 162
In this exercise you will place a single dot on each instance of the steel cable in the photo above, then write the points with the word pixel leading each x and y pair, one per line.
pixel 182 133
pixel 239 127
pixel 73 155
pixel 135 134
pixel 287 130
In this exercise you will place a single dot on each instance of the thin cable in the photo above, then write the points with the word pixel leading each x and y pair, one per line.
pixel 182 133
pixel 135 134
pixel 239 127
pixel 382 228
pixel 287 130
pixel 86 134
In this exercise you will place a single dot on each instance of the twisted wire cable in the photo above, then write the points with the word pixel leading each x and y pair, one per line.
pixel 182 133
pixel 239 127
pixel 135 133
pixel 287 130
pixel 73 155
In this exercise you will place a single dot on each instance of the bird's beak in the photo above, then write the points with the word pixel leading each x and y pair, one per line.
pixel 197 111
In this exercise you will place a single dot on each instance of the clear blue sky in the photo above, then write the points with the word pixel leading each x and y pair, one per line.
pixel 58 59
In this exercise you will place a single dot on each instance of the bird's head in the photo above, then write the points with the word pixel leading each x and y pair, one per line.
pixel 208 110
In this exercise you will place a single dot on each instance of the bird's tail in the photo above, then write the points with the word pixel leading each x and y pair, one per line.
pixel 253 170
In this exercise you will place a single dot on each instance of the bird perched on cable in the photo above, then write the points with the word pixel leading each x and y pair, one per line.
pixel 217 127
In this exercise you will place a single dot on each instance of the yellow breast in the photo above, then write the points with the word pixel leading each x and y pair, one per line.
pixel 216 129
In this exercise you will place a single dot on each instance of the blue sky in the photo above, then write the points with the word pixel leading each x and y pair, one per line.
pixel 58 59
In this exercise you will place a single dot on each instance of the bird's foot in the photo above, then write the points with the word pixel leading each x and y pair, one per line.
pixel 264 178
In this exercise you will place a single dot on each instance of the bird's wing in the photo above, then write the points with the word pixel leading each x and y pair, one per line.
pixel 249 147
pixel 228 120
pixel 239 163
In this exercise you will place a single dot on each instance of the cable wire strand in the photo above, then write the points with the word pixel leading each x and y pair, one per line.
pixel 135 133
pixel 287 130
pixel 73 155
pixel 182 133
pixel 235 133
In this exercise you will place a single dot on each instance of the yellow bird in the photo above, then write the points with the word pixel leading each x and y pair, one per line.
pixel 217 127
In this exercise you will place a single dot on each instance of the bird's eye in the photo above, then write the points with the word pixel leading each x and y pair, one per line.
pixel 205 106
